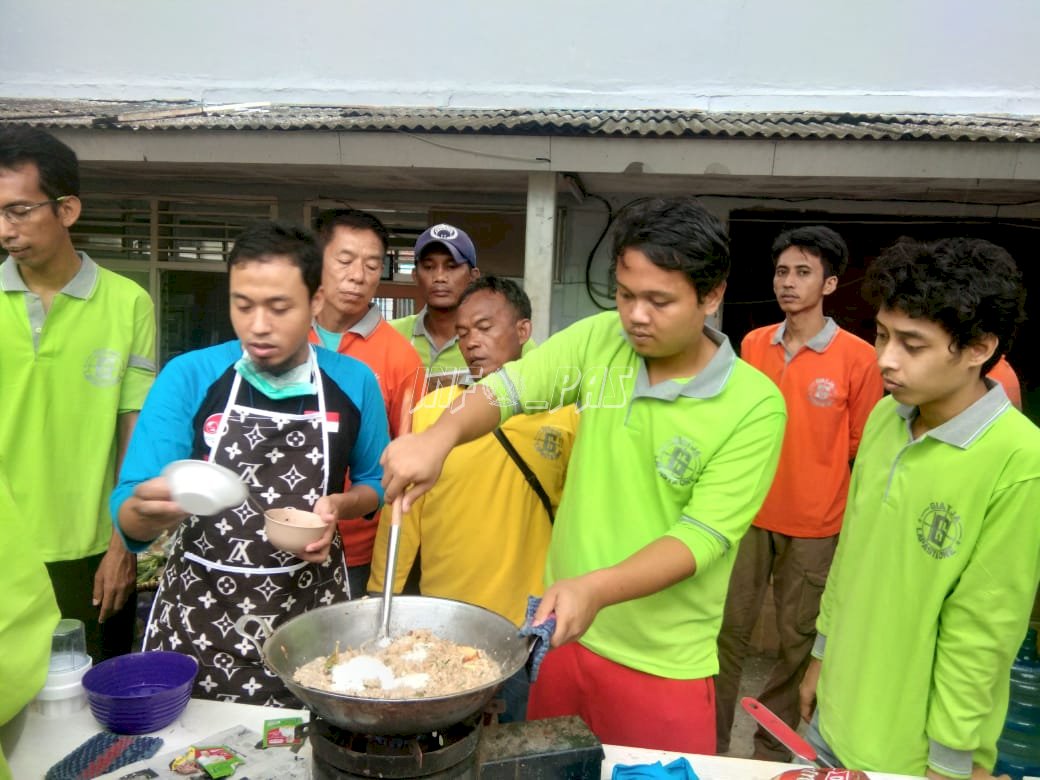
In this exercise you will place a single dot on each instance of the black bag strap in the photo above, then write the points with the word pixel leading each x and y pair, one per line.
pixel 529 475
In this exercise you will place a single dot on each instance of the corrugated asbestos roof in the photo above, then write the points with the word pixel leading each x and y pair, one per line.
pixel 156 115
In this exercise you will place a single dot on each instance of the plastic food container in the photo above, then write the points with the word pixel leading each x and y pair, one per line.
pixel 140 692
pixel 204 488
pixel 62 694
pixel 292 529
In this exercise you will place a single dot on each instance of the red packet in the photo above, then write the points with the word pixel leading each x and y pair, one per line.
pixel 810 773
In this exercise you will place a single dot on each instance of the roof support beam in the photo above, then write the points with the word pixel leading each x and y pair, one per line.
pixel 719 157
pixel 540 250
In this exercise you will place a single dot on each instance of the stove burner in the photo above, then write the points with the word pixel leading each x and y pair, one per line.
pixel 448 753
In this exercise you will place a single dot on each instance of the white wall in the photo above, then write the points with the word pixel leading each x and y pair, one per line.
pixel 954 56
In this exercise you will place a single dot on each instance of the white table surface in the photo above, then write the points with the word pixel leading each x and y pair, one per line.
pixel 33 743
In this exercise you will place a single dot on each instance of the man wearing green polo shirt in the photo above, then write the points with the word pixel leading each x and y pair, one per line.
pixel 76 361
pixel 674 454
pixel 932 584
pixel 445 263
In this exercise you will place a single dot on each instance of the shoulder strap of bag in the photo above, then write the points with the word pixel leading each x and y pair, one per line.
pixel 529 475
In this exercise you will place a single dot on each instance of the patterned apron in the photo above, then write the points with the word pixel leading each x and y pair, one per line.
pixel 222 567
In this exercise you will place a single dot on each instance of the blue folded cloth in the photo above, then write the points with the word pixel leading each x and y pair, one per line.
pixel 679 769
pixel 542 636
pixel 103 753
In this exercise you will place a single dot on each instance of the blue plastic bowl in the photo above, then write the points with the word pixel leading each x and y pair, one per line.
pixel 140 692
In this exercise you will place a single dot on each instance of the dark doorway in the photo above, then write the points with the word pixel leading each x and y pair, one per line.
pixel 749 295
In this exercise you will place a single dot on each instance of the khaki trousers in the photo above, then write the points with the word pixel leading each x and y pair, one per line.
pixel 798 568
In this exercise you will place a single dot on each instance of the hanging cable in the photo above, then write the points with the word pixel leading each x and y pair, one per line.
pixel 592 254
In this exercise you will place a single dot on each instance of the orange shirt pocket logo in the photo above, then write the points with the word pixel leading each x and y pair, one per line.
pixel 822 392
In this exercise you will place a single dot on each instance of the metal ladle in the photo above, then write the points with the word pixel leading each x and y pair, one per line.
pixel 391 570
pixel 396 511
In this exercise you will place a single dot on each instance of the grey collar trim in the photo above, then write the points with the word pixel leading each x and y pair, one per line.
pixel 79 286
pixel 419 329
pixel 367 325
pixel 419 326
pixel 707 384
pixel 10 279
pixel 817 343
pixel 967 426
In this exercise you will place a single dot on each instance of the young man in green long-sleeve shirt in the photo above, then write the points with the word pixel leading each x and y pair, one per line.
pixel 932 584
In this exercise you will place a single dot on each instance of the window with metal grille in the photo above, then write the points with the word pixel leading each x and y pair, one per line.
pixel 176 248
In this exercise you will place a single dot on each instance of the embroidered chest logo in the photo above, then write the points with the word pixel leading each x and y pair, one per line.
pixel 821 392
pixel 103 368
pixel 549 442
pixel 939 530
pixel 678 461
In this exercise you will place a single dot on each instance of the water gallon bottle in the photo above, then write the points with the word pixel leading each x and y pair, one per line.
pixel 1018 749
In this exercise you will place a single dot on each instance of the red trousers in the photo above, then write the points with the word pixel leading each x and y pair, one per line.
pixel 623 706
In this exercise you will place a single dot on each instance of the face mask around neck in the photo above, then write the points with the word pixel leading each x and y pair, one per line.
pixel 295 382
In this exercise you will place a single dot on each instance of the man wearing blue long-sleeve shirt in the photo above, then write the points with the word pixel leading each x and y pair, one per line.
pixel 291 420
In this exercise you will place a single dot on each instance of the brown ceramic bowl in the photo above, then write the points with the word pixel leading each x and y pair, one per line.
pixel 292 529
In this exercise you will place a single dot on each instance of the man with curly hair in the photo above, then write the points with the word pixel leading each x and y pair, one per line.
pixel 933 580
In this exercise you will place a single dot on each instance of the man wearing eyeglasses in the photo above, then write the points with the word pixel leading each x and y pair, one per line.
pixel 76 360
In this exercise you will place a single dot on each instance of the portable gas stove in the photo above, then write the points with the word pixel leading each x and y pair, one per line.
pixel 541 749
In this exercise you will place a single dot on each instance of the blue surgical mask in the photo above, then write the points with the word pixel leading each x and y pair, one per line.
pixel 293 383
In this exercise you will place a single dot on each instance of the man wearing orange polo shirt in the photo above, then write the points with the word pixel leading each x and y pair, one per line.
pixel 830 382
pixel 354 244
pixel 1003 372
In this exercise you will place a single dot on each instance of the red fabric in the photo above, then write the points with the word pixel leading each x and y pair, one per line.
pixel 623 706
pixel 1003 373
pixel 829 396
pixel 103 763
pixel 397 367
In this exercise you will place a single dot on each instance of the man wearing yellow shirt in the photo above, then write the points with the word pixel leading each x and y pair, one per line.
pixel 483 529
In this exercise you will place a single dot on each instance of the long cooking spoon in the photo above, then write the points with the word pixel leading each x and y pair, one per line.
pixel 395 532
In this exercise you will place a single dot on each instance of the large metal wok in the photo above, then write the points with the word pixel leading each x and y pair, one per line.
pixel 356 625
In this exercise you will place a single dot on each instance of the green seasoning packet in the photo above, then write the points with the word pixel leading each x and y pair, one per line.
pixel 281 732
pixel 219 761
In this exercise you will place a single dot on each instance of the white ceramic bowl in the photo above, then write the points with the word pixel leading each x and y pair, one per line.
pixel 292 529
pixel 204 488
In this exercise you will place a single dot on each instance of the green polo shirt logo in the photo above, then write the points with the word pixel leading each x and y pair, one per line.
pixel 103 368
pixel 679 461
pixel 939 530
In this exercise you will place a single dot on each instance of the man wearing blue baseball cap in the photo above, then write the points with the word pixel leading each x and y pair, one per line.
pixel 445 262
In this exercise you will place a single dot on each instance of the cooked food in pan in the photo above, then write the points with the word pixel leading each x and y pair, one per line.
pixel 415 665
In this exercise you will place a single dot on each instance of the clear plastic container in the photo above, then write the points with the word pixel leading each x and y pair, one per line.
pixel 62 693
pixel 68 646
